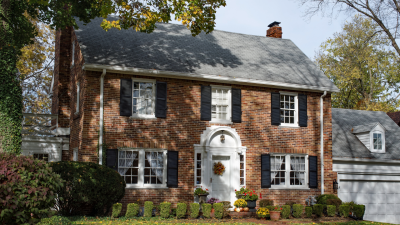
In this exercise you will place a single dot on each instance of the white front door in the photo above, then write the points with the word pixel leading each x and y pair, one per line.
pixel 221 184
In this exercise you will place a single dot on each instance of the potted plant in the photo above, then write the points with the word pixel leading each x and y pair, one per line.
pixel 275 213
pixel 251 198
pixel 262 212
pixel 240 204
pixel 199 191
pixel 240 193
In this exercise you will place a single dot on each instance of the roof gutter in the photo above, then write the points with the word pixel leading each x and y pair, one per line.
pixel 206 77
pixel 101 116
pixel 322 140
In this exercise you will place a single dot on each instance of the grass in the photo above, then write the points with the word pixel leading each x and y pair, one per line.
pixel 159 221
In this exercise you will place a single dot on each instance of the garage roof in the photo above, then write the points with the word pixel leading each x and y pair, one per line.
pixel 345 144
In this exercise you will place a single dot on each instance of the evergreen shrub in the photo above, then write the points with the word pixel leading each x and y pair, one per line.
pixel 194 210
pixel 116 210
pixel 165 209
pixel 318 209
pixel 335 202
pixel 132 210
pixel 148 209
pixel 331 209
pixel 55 220
pixel 206 210
pixel 181 210
pixel 344 210
pixel 297 210
pixel 359 210
pixel 322 199
pixel 285 211
pixel 219 210
pixel 309 211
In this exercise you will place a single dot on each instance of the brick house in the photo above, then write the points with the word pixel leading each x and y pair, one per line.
pixel 161 108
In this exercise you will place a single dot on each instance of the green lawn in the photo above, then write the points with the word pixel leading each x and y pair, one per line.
pixel 158 220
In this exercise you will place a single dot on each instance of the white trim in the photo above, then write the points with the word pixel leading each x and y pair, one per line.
pixel 73 54
pixel 75 154
pixel 101 124
pixel 378 129
pixel 339 159
pixel 145 116
pixel 141 166
pixel 296 109
pixel 207 77
pixel 78 89
pixel 287 185
pixel 321 108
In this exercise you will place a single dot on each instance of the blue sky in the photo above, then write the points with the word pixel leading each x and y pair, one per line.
pixel 253 16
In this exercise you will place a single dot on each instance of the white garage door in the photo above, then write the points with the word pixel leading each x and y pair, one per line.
pixel 381 199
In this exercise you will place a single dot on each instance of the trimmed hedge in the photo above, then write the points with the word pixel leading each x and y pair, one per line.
pixel 116 210
pixel 344 210
pixel 181 210
pixel 318 209
pixel 331 209
pixel 322 199
pixel 165 209
pixel 27 186
pixel 309 211
pixel 219 210
pixel 206 210
pixel 87 184
pixel 132 210
pixel 148 209
pixel 285 211
pixel 335 202
pixel 194 210
pixel 359 210
pixel 297 210
pixel 55 220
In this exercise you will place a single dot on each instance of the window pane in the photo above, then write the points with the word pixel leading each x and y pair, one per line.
pixel 291 105
pixel 134 180
pixel 291 119
pixel 287 120
pixel 286 98
pixel 292 98
pixel 241 173
pixel 128 179
pixel 282 98
pixel 198 164
pixel 198 156
pixel 198 173
pixel 241 166
pixel 241 157
pixel 146 171
pixel 135 85
pixel 241 181
pixel 135 171
pixel 198 180
pixel 146 180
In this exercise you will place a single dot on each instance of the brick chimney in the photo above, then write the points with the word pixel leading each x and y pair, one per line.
pixel 274 30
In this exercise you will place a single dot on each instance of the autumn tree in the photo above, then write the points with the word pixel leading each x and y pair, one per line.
pixel 17 31
pixel 362 65
pixel 383 13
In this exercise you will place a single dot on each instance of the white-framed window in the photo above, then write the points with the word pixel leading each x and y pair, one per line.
pixel 289 171
pixel 41 156
pixel 242 169
pixel 289 109
pixel 198 169
pixel 73 54
pixel 143 168
pixel 77 97
pixel 377 141
pixel 75 154
pixel 221 104
pixel 143 98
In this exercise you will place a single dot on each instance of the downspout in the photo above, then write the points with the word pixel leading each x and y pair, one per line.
pixel 101 117
pixel 322 140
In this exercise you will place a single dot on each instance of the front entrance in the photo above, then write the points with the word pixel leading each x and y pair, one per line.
pixel 221 183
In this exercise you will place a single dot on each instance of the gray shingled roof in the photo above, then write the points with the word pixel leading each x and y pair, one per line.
pixel 364 128
pixel 171 47
pixel 346 145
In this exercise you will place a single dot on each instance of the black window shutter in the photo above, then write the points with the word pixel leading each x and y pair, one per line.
pixel 112 158
pixel 302 110
pixel 161 100
pixel 275 108
pixel 205 103
pixel 236 105
pixel 172 169
pixel 125 104
pixel 313 171
pixel 265 171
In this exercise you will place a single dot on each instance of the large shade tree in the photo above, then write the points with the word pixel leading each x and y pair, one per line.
pixel 18 31
pixel 363 66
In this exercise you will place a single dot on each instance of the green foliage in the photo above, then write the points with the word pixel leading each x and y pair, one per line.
pixel 219 210
pixel 318 209
pixel 285 211
pixel 55 220
pixel 266 202
pixel 309 211
pixel 90 184
pixel 322 199
pixel 360 62
pixel 351 205
pixel 297 210
pixel 132 210
pixel 173 213
pixel 206 210
pixel 181 210
pixel 27 186
pixel 148 209
pixel 194 210
pixel 200 191
pixel 335 202
pixel 165 209
pixel 331 209
pixel 116 210
pixel 359 210
pixel 344 210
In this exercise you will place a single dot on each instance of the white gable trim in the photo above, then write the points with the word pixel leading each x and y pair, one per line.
pixel 206 77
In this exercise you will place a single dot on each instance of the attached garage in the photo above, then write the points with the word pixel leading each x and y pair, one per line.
pixel 368 168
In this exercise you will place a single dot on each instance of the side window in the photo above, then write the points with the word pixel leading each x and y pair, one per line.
pixel 77 97
pixel 198 168
pixel 143 99
pixel 221 104
pixel 242 171
pixel 73 54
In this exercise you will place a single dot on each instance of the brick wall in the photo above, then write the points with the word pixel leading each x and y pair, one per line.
pixel 182 129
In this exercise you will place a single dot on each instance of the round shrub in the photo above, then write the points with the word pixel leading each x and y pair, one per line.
pixel 55 220
pixel 322 199
pixel 27 186
pixel 87 184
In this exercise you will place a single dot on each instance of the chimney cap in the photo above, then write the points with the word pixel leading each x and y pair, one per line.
pixel 274 24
